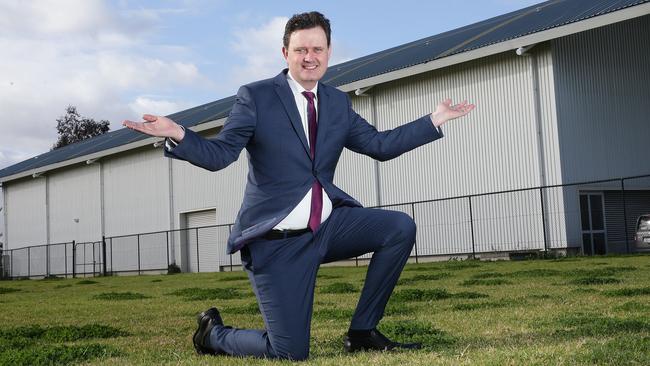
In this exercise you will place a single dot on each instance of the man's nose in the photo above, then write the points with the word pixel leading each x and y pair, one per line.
pixel 309 56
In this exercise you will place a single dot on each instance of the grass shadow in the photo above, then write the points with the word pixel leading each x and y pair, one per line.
pixel 485 282
pixel 8 290
pixel 35 345
pixel 119 296
pixel 408 295
pixel 197 294
pixel 339 288
pixel 424 277
pixel 594 281
pixel 87 282
pixel 417 331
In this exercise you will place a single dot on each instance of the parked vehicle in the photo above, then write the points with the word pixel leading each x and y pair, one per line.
pixel 642 236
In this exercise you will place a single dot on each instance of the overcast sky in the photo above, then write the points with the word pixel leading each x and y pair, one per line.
pixel 119 59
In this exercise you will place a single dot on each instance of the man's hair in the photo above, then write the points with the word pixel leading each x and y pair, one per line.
pixel 309 20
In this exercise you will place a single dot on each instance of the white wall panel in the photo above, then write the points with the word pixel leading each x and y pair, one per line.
pixel 26 213
pixel 196 188
pixel 492 149
pixel 356 174
pixel 75 193
pixel 136 192
pixel 602 87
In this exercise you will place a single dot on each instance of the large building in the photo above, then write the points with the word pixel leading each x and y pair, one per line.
pixel 561 91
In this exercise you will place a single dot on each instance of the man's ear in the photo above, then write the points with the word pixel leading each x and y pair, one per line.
pixel 285 52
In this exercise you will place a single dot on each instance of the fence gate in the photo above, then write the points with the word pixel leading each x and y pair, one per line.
pixel 87 259
pixel 594 238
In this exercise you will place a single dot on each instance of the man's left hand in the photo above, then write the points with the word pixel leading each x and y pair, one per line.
pixel 446 112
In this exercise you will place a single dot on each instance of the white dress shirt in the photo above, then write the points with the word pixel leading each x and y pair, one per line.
pixel 298 218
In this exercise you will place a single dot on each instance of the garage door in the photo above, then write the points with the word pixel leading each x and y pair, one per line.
pixel 201 241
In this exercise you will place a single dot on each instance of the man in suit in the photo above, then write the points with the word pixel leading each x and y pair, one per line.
pixel 293 218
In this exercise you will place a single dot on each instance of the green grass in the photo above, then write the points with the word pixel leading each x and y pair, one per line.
pixel 576 311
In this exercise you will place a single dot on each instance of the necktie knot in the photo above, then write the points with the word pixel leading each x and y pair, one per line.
pixel 309 95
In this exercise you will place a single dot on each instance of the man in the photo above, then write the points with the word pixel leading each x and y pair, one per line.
pixel 293 218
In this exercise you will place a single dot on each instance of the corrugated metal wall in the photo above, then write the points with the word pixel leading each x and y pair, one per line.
pixel 26 213
pixel 357 174
pixel 500 146
pixel 602 85
pixel 196 188
pixel 136 192
pixel 75 193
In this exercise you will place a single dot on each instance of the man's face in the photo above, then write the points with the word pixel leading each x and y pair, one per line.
pixel 307 56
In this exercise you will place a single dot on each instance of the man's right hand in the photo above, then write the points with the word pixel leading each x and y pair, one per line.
pixel 158 126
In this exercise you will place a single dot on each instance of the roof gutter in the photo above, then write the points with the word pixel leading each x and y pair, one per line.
pixel 515 43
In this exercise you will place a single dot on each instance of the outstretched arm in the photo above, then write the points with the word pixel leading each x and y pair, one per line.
pixel 385 145
pixel 212 154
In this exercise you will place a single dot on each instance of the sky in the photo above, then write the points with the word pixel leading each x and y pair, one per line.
pixel 117 60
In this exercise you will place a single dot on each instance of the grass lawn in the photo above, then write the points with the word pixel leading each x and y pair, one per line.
pixel 568 311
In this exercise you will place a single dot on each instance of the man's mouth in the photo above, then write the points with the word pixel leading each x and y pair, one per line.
pixel 309 67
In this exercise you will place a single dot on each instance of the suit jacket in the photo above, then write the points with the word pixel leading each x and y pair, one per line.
pixel 265 121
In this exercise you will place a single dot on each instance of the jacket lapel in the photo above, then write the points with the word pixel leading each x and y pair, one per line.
pixel 323 122
pixel 289 103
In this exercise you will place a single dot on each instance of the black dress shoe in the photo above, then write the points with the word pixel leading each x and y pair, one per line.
pixel 374 340
pixel 206 321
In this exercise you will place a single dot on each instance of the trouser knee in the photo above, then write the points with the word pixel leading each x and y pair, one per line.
pixel 405 228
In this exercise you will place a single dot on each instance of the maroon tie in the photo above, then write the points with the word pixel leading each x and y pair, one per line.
pixel 316 189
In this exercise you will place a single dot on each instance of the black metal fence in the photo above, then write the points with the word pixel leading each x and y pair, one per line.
pixel 595 217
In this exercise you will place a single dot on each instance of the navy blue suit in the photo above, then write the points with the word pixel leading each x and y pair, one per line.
pixel 265 121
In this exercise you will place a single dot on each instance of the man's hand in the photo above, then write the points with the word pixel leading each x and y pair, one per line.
pixel 446 112
pixel 157 126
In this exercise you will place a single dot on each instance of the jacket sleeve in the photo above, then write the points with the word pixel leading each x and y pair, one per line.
pixel 219 152
pixel 385 145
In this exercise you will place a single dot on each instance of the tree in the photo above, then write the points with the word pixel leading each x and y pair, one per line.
pixel 73 128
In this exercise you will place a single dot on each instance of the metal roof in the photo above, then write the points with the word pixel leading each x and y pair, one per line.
pixel 531 20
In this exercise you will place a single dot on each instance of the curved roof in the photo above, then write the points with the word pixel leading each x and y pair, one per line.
pixel 378 67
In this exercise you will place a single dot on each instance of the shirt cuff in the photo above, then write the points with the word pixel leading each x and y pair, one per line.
pixel 170 143
pixel 434 126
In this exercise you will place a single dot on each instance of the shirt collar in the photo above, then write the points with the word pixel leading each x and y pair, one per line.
pixel 297 88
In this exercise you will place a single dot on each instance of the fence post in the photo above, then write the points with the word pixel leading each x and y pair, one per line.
pixel 29 262
pixel 65 259
pixel 167 240
pixel 11 265
pixel 627 241
pixel 94 261
pixel 541 199
pixel 229 232
pixel 47 260
pixel 74 259
pixel 198 262
pixel 104 255
pixel 415 244
pixel 471 227
pixel 111 255
pixel 138 254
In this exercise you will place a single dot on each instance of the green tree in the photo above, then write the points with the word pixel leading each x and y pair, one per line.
pixel 73 128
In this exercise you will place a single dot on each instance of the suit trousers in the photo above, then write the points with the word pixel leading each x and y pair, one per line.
pixel 283 276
